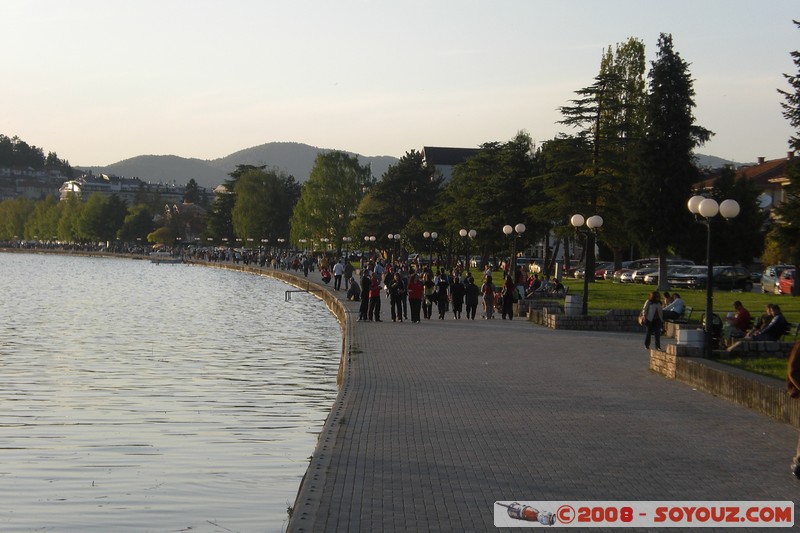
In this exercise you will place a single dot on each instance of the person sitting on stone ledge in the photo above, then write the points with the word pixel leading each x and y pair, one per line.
pixel 774 330
pixel 736 325
pixel 674 310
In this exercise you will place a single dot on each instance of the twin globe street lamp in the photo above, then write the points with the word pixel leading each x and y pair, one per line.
pixel 370 242
pixel 593 223
pixel 517 230
pixel 394 242
pixel 472 234
pixel 430 236
pixel 708 208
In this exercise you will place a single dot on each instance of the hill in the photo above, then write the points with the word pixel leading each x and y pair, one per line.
pixel 294 159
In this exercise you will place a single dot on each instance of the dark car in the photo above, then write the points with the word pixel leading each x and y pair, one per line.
pixel 724 277
pixel 691 278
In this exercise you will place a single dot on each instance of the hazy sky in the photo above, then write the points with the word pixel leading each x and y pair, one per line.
pixel 99 81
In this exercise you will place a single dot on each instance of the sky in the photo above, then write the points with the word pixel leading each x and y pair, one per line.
pixel 98 82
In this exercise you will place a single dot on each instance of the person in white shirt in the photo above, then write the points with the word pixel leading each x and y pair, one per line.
pixel 674 309
pixel 338 270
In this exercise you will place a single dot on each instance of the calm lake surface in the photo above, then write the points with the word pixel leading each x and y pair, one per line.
pixel 141 397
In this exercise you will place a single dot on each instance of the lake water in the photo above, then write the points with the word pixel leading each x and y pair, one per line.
pixel 141 397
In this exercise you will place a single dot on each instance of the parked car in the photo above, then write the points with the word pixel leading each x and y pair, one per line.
pixel 601 269
pixel 689 279
pixel 787 281
pixel 724 277
pixel 652 278
pixel 638 275
pixel 617 276
pixel 770 277
pixel 626 275
pixel 732 277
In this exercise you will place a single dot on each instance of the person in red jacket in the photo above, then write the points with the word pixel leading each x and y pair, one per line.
pixel 416 291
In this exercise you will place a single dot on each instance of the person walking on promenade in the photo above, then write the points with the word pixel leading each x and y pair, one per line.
pixel 366 281
pixel 457 291
pixel 487 290
pixel 338 272
pixel 404 297
pixel 374 310
pixel 430 295
pixel 508 297
pixel 471 295
pixel 793 385
pixel 416 292
pixel 348 272
pixel 442 293
pixel 653 319
pixel 396 290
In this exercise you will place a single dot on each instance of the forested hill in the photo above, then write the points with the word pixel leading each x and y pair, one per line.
pixel 14 152
pixel 294 159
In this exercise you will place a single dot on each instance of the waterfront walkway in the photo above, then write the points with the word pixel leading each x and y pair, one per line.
pixel 437 421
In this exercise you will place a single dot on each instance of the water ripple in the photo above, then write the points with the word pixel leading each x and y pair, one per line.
pixel 140 397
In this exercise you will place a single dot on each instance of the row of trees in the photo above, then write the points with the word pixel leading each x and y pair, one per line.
pixel 629 158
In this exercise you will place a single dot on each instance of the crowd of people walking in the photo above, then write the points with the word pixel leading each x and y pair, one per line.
pixel 425 292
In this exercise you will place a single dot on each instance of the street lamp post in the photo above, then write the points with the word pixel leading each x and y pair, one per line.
pixel 346 241
pixel 707 208
pixel 394 241
pixel 517 230
pixel 592 223
pixel 430 236
pixel 280 240
pixel 370 241
pixel 472 234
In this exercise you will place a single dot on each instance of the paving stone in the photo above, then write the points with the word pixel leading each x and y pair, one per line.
pixel 445 417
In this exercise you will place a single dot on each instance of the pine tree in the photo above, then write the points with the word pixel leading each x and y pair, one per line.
pixel 787 220
pixel 667 169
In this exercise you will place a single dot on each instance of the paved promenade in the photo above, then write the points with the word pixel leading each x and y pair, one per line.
pixel 436 421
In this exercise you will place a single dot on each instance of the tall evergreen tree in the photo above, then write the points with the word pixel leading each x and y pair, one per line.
pixel 667 170
pixel 787 221
pixel 407 190
pixel 609 116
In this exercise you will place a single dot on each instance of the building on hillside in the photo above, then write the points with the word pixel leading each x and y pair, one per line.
pixel 28 182
pixel 131 190
pixel 769 177
pixel 444 159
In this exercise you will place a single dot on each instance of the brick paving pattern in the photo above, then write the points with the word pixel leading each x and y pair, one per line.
pixel 437 421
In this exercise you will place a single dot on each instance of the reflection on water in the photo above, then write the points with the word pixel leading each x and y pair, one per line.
pixel 141 397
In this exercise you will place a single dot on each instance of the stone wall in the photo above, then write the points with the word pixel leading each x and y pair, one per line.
pixel 763 394
pixel 613 320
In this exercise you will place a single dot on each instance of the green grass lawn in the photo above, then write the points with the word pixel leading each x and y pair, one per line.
pixel 774 367
pixel 605 294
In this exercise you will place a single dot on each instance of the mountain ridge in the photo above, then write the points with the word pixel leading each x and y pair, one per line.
pixel 293 158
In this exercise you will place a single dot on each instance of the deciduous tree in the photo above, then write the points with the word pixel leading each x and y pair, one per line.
pixel 330 198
